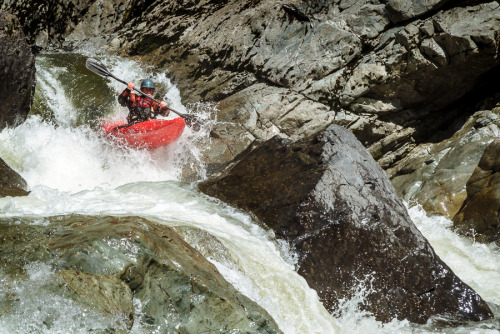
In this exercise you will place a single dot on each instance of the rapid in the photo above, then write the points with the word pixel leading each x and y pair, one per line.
pixel 71 168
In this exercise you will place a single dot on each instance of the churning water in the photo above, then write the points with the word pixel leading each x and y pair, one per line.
pixel 72 169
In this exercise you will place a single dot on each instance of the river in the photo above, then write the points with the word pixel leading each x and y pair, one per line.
pixel 72 169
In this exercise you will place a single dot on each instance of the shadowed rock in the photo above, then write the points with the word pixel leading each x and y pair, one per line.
pixel 480 214
pixel 17 68
pixel 333 203
pixel 401 10
pixel 11 183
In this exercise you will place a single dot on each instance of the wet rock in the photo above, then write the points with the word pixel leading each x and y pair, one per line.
pixel 11 183
pixel 337 209
pixel 117 259
pixel 104 293
pixel 435 175
pixel 17 68
pixel 479 216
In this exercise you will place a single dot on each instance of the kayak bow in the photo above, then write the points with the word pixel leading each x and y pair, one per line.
pixel 150 134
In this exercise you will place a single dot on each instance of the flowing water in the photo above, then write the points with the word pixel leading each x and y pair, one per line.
pixel 72 169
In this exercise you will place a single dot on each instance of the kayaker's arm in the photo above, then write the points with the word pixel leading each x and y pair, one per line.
pixel 124 96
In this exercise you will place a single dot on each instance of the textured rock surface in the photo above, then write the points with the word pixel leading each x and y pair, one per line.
pixel 435 175
pixel 105 293
pixel 118 259
pixel 11 183
pixel 354 68
pixel 48 22
pixel 17 68
pixel 480 213
pixel 336 207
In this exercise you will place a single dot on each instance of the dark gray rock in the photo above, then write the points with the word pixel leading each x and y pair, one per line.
pixel 48 23
pixel 17 69
pixel 11 183
pixel 336 207
pixel 480 214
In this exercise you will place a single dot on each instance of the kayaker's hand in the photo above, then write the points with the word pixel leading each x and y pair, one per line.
pixel 163 104
pixel 130 86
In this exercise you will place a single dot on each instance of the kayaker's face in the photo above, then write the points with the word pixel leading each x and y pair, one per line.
pixel 148 91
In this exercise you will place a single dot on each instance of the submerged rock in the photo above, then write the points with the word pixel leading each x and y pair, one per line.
pixel 103 263
pixel 480 214
pixel 11 183
pixel 17 66
pixel 337 209
pixel 105 293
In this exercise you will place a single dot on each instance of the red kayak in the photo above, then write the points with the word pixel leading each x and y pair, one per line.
pixel 150 134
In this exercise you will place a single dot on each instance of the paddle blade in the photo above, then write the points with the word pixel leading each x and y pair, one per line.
pixel 97 67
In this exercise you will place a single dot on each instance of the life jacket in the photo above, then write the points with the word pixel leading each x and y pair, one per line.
pixel 141 109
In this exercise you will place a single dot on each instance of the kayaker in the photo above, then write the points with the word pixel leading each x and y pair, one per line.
pixel 141 108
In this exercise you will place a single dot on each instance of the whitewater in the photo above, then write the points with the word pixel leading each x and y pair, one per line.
pixel 71 168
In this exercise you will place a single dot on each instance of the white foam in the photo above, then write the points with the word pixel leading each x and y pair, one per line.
pixel 475 263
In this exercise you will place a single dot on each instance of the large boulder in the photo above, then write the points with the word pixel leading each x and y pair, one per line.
pixel 480 214
pixel 107 265
pixel 337 209
pixel 17 65
pixel 11 183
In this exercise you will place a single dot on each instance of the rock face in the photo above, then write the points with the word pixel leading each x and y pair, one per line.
pixel 17 65
pixel 102 263
pixel 48 24
pixel 293 67
pixel 388 71
pixel 480 213
pixel 336 207
pixel 11 183
pixel 435 175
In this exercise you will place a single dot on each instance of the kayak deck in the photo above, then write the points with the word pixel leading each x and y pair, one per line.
pixel 150 134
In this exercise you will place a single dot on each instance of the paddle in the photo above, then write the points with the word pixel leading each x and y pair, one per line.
pixel 98 68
